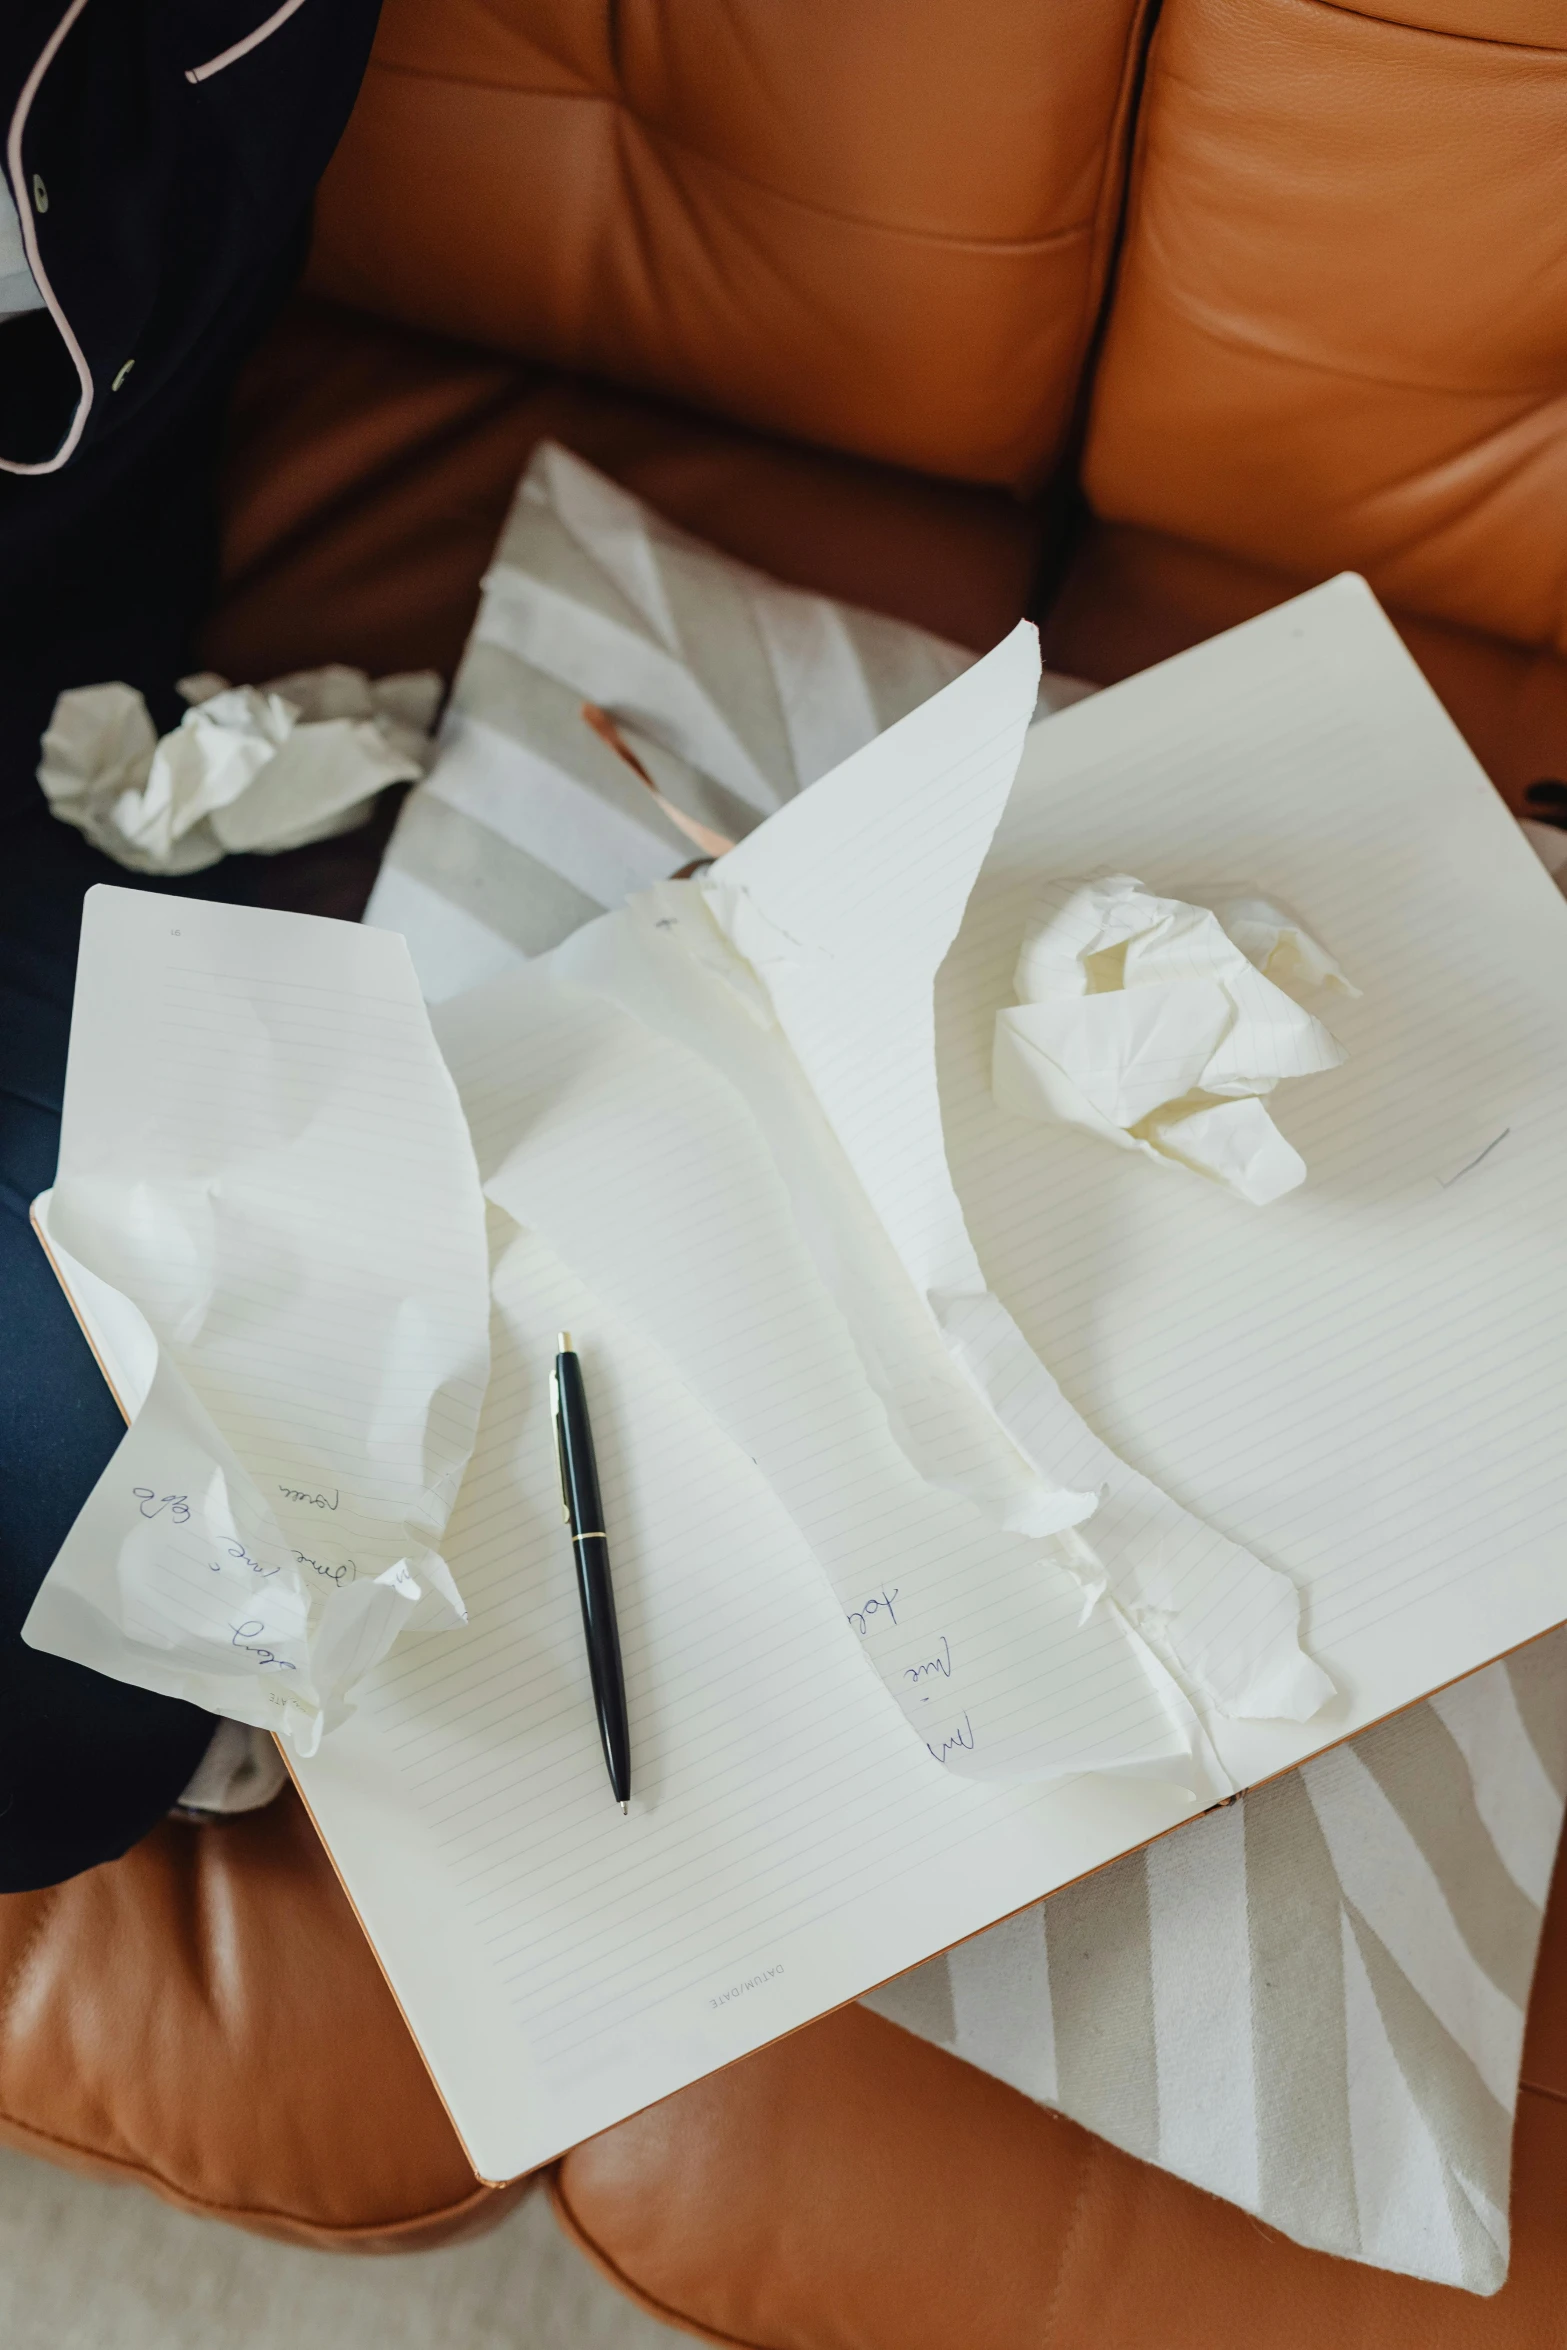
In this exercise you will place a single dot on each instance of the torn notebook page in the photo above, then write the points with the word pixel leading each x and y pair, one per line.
pixel 854 911
pixel 844 906
pixel 263 1153
pixel 644 1169
pixel 841 910
pixel 1155 1025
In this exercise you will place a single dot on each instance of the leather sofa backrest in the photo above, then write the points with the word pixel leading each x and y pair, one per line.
pixel 881 225
pixel 1339 334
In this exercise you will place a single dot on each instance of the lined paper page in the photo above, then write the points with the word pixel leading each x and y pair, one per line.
pixel 1364 1383
pixel 845 904
pixel 263 1154
pixel 644 1170
pixel 789 1843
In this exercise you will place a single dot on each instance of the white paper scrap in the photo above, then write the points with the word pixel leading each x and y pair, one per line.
pixel 248 768
pixel 802 971
pixel 844 906
pixel 262 1152
pixel 1158 1025
pixel 646 1168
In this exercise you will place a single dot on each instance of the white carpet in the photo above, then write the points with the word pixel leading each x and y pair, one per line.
pixel 87 2267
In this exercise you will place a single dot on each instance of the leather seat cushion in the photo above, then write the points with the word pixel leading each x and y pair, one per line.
pixel 1132 596
pixel 882 228
pixel 370 468
pixel 853 2188
pixel 205 2016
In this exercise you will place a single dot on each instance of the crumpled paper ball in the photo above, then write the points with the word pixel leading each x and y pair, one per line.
pixel 248 768
pixel 1160 1026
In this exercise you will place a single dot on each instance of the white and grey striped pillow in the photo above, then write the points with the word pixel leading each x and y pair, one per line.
pixel 1312 2000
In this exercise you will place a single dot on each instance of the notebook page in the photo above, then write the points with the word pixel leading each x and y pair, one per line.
pixel 789 1843
pixel 396 1850
pixel 646 1173
pixel 843 906
pixel 1365 1382
pixel 263 1157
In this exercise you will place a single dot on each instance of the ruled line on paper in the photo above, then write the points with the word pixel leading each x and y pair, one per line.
pixel 496 1835
pixel 1204 1343
pixel 269 1164
pixel 1122 1301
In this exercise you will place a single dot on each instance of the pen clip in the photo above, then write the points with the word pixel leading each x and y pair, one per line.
pixel 560 1448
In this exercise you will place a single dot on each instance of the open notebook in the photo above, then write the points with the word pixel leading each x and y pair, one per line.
pixel 1355 1396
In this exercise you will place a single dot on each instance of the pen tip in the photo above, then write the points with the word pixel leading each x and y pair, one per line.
pixel 624 1810
pixel 563 1342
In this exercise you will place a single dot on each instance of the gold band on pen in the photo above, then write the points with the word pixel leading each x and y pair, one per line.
pixel 591 1534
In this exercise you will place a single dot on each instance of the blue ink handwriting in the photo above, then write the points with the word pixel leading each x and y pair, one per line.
pixel 246 1637
pixel 237 1550
pixel 330 1572
pixel 933 1664
pixel 316 1501
pixel 176 1504
pixel 860 1617
pixel 962 1738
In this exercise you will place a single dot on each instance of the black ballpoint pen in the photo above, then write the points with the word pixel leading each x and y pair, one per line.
pixel 584 1514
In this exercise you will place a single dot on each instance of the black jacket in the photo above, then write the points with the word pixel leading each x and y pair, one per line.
pixel 162 156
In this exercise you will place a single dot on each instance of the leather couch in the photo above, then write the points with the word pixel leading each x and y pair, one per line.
pixel 961 309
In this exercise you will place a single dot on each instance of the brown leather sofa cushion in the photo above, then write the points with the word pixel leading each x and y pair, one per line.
pixel 1132 597
pixel 370 469
pixel 205 2016
pixel 1339 335
pixel 883 227
pixel 854 2188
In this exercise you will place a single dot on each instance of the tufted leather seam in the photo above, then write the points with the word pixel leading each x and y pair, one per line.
pixel 1376 564
pixel 658 135
pixel 476 81
pixel 1540 2089
pixel 1111 220
pixel 1432 32
pixel 49 2142
pixel 1199 316
pixel 1076 2221
pixel 1112 204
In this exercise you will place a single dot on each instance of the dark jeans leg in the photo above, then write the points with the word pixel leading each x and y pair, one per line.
pixel 87 1764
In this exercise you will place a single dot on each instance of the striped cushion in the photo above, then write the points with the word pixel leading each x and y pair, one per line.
pixel 735 690
pixel 1311 2001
